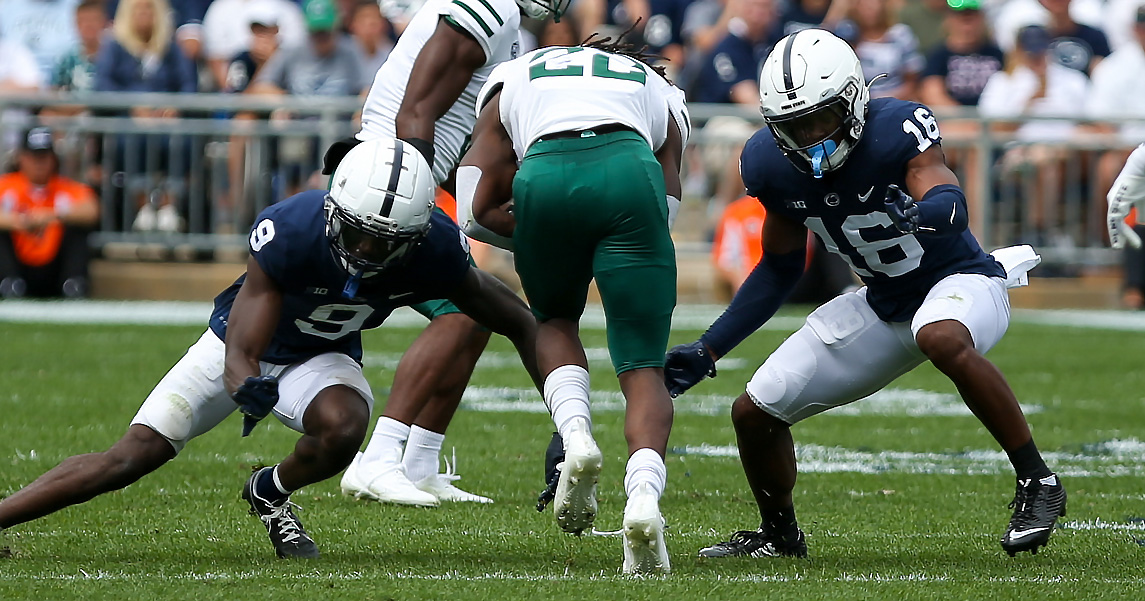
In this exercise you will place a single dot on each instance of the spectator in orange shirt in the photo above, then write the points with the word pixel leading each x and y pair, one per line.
pixel 44 220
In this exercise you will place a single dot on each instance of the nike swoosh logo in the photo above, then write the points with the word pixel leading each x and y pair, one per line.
pixel 953 210
pixel 393 296
pixel 1020 534
pixel 864 197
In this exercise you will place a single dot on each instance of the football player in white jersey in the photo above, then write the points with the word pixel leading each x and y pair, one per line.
pixel 1126 193
pixel 599 154
pixel 424 94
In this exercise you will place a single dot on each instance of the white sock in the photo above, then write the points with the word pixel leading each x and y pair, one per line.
pixel 645 466
pixel 566 394
pixel 422 453
pixel 387 441
pixel 278 483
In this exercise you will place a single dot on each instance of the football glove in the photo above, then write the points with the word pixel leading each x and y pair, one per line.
pixel 255 398
pixel 1128 191
pixel 902 210
pixel 685 365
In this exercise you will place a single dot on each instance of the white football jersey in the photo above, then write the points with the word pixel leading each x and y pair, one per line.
pixel 493 23
pixel 566 89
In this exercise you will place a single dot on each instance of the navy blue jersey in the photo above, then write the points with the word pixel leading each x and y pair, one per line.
pixel 289 242
pixel 845 208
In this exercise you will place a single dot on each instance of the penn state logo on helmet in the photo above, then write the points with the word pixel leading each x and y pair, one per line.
pixel 379 205
pixel 814 99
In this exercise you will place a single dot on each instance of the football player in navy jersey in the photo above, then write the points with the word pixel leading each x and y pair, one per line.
pixel 286 338
pixel 849 169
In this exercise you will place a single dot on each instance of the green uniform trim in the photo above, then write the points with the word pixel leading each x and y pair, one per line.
pixel 473 13
pixel 496 16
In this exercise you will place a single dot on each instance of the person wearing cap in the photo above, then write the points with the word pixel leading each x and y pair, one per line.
pixel 44 218
pixel 1072 44
pixel 958 68
pixel 1117 95
pixel 325 66
pixel 226 29
pixel 1033 85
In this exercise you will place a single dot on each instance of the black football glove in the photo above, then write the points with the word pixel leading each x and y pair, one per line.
pixel 902 210
pixel 255 398
pixel 337 151
pixel 685 365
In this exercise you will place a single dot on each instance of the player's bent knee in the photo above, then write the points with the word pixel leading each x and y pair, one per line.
pixel 140 452
pixel 944 342
pixel 746 414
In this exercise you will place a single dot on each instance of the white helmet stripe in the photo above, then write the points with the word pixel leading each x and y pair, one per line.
pixel 395 173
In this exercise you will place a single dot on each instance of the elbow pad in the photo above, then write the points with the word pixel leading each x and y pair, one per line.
pixel 942 211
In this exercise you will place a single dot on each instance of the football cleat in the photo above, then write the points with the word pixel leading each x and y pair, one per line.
pixel 385 482
pixel 644 548
pixel 286 532
pixel 554 455
pixel 1037 506
pixel 759 543
pixel 575 501
pixel 442 488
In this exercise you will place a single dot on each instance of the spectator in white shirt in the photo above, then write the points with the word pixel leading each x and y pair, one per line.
pixel 226 30
pixel 1032 85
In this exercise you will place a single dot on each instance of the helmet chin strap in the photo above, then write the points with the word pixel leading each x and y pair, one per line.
pixel 351 288
pixel 818 153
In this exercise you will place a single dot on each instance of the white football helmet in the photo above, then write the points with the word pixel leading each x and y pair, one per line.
pixel 814 99
pixel 543 9
pixel 378 208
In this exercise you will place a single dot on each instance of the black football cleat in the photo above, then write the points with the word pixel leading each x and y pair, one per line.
pixel 759 543
pixel 286 532
pixel 554 456
pixel 1037 505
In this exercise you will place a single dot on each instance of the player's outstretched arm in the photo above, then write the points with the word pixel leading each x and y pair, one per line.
pixel 1128 191
pixel 440 74
pixel 485 181
pixel 941 206
pixel 760 296
pixel 493 305
pixel 251 326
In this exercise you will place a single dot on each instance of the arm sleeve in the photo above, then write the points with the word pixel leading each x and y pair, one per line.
pixel 467 178
pixel 942 211
pixel 760 296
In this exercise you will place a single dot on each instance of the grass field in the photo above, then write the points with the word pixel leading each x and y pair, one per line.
pixel 903 495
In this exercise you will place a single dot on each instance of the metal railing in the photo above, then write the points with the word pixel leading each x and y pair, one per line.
pixel 225 157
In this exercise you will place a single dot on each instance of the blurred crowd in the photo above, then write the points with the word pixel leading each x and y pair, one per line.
pixel 1009 58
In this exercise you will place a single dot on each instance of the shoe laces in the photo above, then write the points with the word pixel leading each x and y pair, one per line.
pixel 450 474
pixel 289 527
pixel 744 538
pixel 1023 501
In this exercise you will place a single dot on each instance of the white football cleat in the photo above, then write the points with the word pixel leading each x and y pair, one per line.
pixel 644 548
pixel 386 482
pixel 441 486
pixel 575 502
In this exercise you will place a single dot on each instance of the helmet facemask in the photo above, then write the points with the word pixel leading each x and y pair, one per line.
pixel 822 135
pixel 541 10
pixel 367 246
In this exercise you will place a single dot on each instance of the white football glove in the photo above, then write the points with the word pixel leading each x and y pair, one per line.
pixel 1128 191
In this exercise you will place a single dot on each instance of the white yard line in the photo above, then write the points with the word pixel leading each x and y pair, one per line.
pixel 693 317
